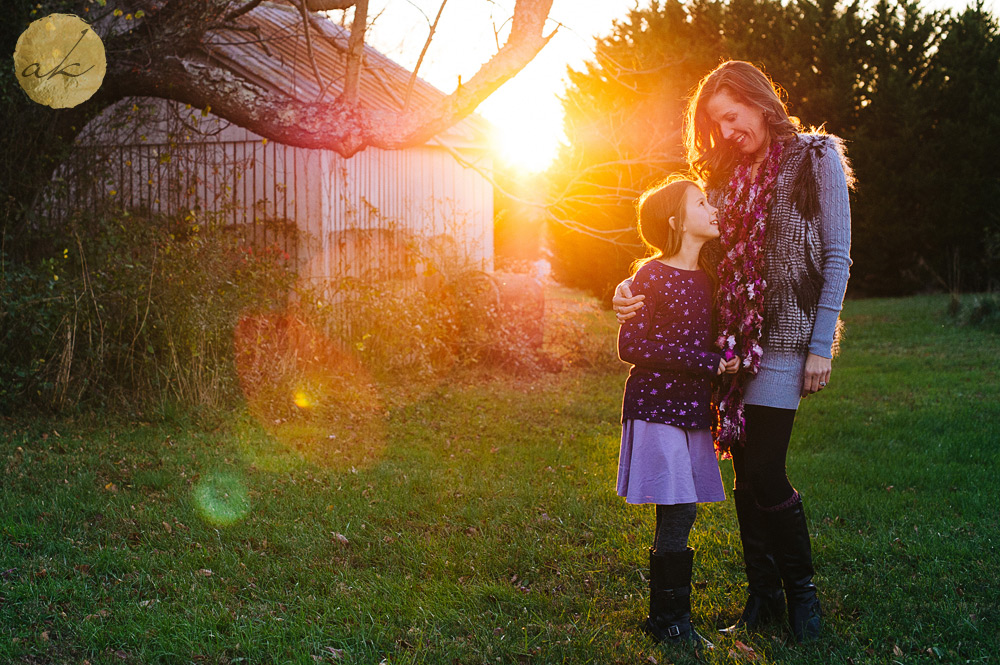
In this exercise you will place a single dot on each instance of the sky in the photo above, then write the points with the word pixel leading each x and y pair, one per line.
pixel 525 111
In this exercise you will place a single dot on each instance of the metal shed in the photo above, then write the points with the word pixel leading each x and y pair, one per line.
pixel 392 213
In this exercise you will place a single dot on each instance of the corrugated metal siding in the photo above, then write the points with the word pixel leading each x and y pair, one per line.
pixel 400 214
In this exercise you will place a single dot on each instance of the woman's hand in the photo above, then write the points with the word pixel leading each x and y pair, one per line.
pixel 624 303
pixel 817 374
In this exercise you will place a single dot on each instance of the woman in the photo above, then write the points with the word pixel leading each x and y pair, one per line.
pixel 783 271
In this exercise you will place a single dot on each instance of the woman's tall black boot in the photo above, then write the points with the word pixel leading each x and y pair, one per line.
pixel 793 554
pixel 765 599
pixel 670 599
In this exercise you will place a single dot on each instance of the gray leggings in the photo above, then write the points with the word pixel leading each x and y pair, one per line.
pixel 673 524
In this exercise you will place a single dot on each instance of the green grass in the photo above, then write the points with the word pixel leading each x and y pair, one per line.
pixel 482 526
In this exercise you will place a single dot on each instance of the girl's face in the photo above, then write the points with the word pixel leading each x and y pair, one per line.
pixel 742 126
pixel 700 218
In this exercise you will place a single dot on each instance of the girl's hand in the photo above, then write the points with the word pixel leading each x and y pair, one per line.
pixel 625 304
pixel 817 374
pixel 732 365
pixel 723 366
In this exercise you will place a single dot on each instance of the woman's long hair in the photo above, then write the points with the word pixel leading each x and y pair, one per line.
pixel 710 156
pixel 654 209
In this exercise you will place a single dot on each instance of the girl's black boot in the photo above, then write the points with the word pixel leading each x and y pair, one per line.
pixel 670 599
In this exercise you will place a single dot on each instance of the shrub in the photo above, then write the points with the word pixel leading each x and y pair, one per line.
pixel 132 310
pixel 983 312
pixel 125 308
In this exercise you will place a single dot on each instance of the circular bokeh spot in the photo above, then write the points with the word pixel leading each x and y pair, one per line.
pixel 221 499
pixel 308 392
pixel 59 61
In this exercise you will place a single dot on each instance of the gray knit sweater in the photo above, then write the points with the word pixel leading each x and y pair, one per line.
pixel 807 266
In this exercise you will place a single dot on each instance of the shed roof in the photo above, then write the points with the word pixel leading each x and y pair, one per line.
pixel 279 59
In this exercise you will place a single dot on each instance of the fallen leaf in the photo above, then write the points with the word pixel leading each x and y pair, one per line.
pixel 652 660
pixel 744 651
pixel 332 653
pixel 341 538
pixel 167 527
pixel 896 651
pixel 45 636
pixel 205 572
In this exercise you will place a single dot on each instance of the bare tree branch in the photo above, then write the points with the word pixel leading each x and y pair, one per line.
pixel 236 13
pixel 526 39
pixel 176 70
pixel 309 48
pixel 355 52
pixel 423 52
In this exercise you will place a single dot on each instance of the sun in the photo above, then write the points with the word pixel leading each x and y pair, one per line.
pixel 527 146
pixel 527 123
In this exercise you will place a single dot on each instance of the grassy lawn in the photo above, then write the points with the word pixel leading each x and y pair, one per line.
pixel 475 521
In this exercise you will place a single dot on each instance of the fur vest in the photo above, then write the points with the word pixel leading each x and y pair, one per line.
pixel 793 253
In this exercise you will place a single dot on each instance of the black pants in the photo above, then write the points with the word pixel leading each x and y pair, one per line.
pixel 759 465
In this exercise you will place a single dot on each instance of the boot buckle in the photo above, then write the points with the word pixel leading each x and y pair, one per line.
pixel 674 631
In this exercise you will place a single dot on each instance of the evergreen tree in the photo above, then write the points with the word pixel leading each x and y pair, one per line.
pixel 915 94
pixel 623 116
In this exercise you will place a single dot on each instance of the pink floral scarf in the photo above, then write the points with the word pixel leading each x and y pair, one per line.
pixel 743 228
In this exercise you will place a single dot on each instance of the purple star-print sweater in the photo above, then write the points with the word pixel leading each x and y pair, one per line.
pixel 668 341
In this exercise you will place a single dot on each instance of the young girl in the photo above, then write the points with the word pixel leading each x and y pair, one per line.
pixel 667 454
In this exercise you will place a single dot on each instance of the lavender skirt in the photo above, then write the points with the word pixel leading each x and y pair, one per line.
pixel 667 465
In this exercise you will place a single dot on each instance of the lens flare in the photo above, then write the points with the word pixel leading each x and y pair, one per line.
pixel 307 392
pixel 302 400
pixel 221 499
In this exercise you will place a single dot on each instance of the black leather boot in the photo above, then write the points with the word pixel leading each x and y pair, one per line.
pixel 793 554
pixel 765 599
pixel 670 599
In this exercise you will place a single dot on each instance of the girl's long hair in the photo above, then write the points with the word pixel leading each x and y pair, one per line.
pixel 654 209
pixel 711 157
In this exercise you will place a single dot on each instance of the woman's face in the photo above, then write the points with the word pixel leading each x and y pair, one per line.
pixel 700 218
pixel 742 126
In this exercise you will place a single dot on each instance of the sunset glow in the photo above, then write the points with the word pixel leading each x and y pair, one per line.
pixel 528 145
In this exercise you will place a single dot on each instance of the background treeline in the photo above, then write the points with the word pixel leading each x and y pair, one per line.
pixel 915 93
